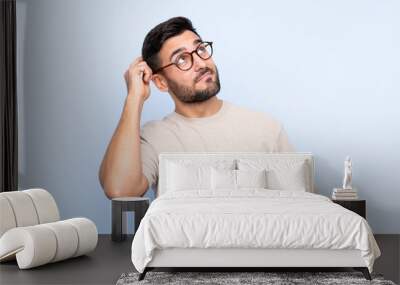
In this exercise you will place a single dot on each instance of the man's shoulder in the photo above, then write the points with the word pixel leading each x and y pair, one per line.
pixel 152 125
pixel 155 128
pixel 255 115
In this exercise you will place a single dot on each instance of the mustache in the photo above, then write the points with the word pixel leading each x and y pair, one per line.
pixel 202 72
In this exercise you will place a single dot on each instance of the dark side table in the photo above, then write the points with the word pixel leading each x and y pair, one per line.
pixel 120 206
pixel 357 206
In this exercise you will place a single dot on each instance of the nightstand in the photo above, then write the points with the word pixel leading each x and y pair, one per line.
pixel 357 206
pixel 120 206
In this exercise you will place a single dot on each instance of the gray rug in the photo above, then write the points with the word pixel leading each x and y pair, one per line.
pixel 229 278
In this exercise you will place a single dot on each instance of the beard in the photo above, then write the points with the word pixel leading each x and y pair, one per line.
pixel 191 95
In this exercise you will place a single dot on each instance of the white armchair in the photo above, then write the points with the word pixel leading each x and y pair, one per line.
pixel 31 231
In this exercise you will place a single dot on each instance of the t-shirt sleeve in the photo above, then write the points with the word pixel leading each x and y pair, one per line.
pixel 149 159
pixel 282 143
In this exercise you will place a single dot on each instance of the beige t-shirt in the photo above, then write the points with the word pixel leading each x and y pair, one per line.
pixel 231 129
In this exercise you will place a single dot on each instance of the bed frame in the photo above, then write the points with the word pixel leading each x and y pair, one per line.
pixel 244 259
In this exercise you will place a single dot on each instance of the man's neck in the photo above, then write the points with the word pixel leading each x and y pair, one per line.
pixel 198 110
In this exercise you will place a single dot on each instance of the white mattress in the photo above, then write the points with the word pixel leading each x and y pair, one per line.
pixel 250 218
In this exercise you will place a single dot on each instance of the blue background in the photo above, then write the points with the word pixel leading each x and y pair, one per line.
pixel 328 70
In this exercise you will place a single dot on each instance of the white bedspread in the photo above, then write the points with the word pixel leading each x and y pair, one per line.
pixel 251 218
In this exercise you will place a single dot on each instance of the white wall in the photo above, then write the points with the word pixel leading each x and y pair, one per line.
pixel 329 71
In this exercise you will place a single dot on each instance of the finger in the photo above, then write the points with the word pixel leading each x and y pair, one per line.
pixel 144 64
pixel 147 74
pixel 126 74
pixel 140 67
pixel 135 64
pixel 136 71
pixel 139 75
pixel 145 69
pixel 137 60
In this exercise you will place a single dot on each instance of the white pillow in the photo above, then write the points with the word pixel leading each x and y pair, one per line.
pixel 237 179
pixel 251 178
pixel 282 174
pixel 223 179
pixel 188 177
pixel 193 175
pixel 287 179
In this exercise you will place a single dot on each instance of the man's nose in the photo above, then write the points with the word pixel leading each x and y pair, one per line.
pixel 198 62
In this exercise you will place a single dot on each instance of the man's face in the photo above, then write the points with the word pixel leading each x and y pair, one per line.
pixel 200 82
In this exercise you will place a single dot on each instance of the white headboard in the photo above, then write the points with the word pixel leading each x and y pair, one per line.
pixel 165 157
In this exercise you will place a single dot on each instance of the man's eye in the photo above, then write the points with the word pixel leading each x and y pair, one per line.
pixel 201 49
pixel 181 60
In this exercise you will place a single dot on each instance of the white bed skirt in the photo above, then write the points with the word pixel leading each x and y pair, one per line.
pixel 236 257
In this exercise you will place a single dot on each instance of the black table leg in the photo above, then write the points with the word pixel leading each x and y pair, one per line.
pixel 118 222
pixel 120 207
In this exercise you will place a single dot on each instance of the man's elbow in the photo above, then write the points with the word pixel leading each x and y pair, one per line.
pixel 116 190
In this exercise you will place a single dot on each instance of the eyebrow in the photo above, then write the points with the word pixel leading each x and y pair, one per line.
pixel 196 41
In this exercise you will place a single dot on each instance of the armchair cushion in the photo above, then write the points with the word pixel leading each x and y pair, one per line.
pixel 45 243
pixel 31 233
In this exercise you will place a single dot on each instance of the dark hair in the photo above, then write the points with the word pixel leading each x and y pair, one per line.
pixel 159 34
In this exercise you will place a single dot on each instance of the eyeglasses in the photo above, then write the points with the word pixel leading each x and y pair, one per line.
pixel 184 61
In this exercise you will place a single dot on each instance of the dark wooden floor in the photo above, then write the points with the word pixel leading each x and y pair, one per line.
pixel 111 259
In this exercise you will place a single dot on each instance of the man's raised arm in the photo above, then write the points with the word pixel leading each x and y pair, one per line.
pixel 120 173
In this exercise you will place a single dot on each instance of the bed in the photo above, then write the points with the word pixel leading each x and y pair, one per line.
pixel 246 210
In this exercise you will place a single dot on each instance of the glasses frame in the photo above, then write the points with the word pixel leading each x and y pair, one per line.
pixel 191 55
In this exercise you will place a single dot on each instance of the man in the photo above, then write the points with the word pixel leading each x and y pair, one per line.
pixel 178 61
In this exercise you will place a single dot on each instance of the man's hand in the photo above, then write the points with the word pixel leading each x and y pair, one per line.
pixel 137 79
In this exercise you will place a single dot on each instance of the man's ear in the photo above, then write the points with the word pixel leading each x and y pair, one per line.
pixel 160 82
